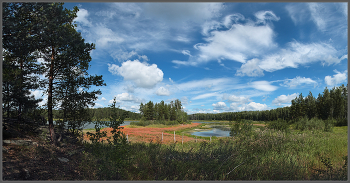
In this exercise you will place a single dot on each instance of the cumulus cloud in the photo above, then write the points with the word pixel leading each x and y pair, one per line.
pixel 219 105
pixel 300 54
pixel 126 97
pixel 252 106
pixel 142 74
pixel 82 15
pixel 337 78
pixel 240 41
pixel 298 81
pixel 236 99
pixel 263 85
pixel 284 99
pixel 251 68
pixel 236 43
pixel 162 91
pixel 103 98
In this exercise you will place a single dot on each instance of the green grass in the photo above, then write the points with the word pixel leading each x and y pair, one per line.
pixel 266 154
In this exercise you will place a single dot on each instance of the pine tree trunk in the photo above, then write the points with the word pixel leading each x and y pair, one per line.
pixel 49 100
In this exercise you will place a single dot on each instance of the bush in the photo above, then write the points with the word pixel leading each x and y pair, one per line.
pixel 328 125
pixel 312 124
pixel 280 125
pixel 341 122
pixel 241 127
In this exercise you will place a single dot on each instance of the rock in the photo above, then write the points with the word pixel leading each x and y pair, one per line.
pixel 63 159
pixel 4 150
pixel 19 142
pixel 27 175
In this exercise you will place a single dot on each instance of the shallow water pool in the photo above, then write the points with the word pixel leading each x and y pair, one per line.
pixel 213 132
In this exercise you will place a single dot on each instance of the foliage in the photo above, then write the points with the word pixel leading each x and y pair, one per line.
pixel 241 127
pixel 113 155
pixel 280 125
pixel 332 104
pixel 162 112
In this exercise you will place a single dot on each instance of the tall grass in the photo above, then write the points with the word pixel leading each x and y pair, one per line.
pixel 266 154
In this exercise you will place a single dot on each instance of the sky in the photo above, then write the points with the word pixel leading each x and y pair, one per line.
pixel 214 57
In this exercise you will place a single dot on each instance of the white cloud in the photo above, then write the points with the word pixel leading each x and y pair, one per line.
pixel 130 88
pixel 216 84
pixel 219 105
pixel 233 18
pixel 97 105
pixel 263 85
pixel 143 57
pixel 103 98
pixel 236 99
pixel 125 97
pixel 82 15
pixel 206 95
pixel 171 80
pixel 104 36
pixel 37 93
pixel 142 74
pixel 298 81
pixel 329 19
pixel 283 99
pixel 262 16
pixel 182 39
pixel 186 52
pixel 298 12
pixel 337 78
pixel 300 54
pixel 251 68
pixel 122 56
pixel 181 13
pixel 184 100
pixel 252 106
pixel 162 91
pixel 237 43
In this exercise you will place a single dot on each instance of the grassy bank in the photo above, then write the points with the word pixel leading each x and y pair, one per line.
pixel 264 155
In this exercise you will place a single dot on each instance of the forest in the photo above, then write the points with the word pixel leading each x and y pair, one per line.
pixel 331 104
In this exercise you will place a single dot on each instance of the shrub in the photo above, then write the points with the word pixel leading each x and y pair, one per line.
pixel 242 127
pixel 341 122
pixel 280 125
pixel 315 124
pixel 328 125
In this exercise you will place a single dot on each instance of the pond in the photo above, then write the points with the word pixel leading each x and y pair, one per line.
pixel 213 132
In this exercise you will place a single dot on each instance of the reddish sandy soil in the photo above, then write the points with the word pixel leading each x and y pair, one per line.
pixel 150 134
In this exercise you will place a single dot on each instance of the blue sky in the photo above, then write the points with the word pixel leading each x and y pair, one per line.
pixel 215 57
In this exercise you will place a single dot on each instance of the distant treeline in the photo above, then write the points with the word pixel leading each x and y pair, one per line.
pixel 331 104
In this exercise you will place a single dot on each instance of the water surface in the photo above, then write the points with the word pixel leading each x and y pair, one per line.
pixel 213 132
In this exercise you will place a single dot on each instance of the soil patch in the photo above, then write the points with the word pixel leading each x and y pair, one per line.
pixel 151 134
